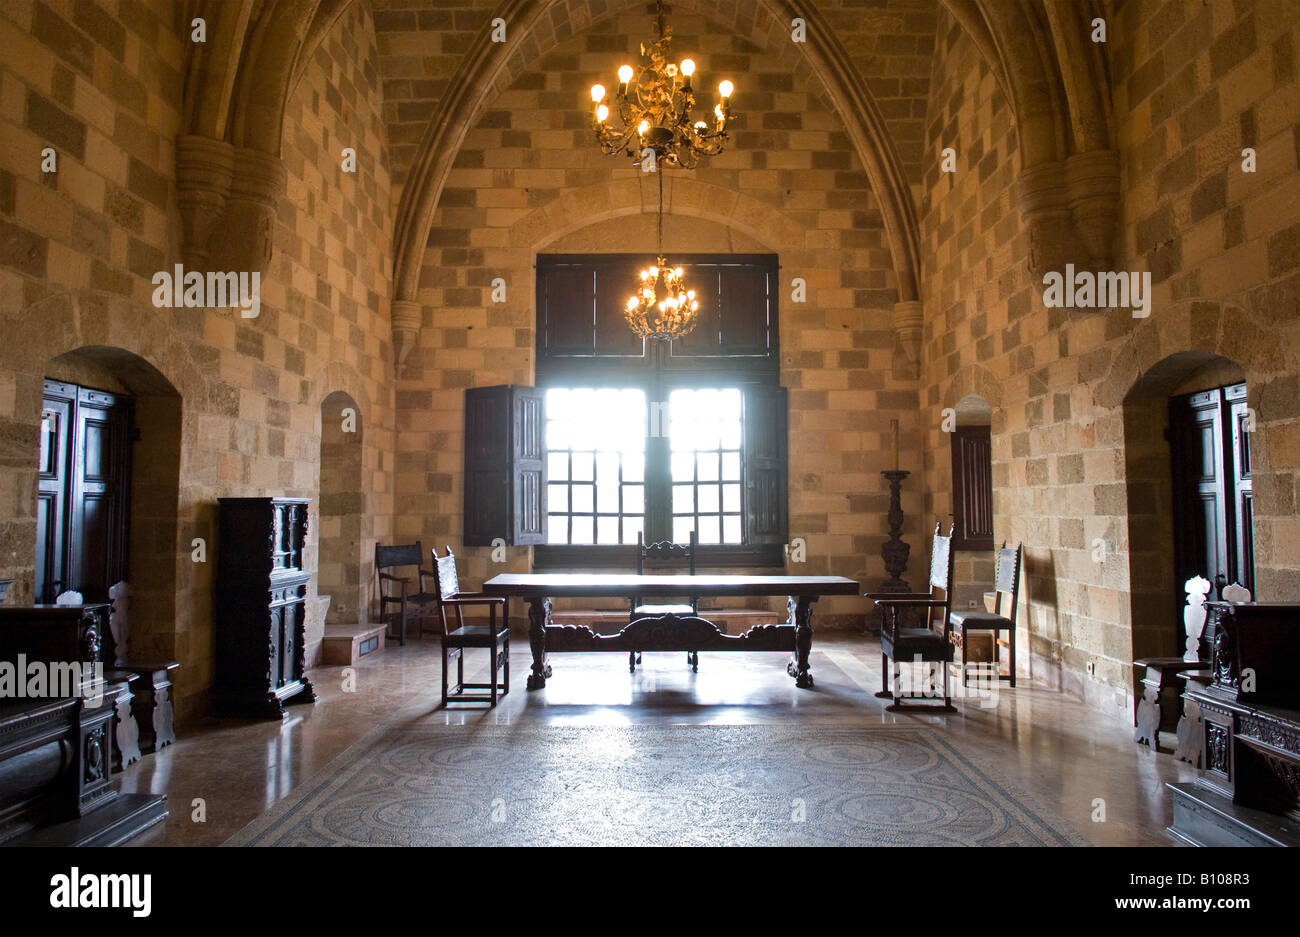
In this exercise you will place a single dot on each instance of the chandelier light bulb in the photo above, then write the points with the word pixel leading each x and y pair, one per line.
pixel 717 112
pixel 725 88
pixel 654 271
pixel 688 67
pixel 643 127
pixel 677 273
pixel 701 126
pixel 597 93
pixel 625 73
pixel 602 112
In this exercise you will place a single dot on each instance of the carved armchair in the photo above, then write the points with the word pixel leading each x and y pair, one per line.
pixel 925 644
pixel 397 605
pixel 494 636
pixel 663 552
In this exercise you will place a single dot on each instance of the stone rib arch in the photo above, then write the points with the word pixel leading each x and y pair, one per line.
pixel 491 67
pixel 1042 56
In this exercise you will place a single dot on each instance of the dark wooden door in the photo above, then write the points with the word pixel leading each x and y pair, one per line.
pixel 1210 449
pixel 972 488
pixel 84 491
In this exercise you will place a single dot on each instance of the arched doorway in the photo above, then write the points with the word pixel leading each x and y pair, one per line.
pixel 109 488
pixel 341 510
pixel 1188 488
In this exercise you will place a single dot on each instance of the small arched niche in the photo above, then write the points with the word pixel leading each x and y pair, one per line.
pixel 341 509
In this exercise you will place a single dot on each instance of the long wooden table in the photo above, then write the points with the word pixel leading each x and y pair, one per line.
pixel 668 632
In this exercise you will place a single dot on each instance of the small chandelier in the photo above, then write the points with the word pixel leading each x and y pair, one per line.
pixel 655 111
pixel 673 315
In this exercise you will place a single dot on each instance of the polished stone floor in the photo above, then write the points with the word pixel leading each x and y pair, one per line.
pixel 223 773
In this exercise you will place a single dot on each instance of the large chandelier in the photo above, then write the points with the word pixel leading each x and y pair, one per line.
pixel 662 308
pixel 654 111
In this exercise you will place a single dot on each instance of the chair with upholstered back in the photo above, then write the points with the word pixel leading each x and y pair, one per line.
pixel 458 636
pixel 660 554
pixel 899 642
pixel 1006 583
pixel 397 605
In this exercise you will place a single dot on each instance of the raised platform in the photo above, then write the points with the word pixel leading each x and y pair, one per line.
pixel 1205 818
pixel 347 644
pixel 125 818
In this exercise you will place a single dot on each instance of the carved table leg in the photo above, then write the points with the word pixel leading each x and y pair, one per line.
pixel 539 616
pixel 801 618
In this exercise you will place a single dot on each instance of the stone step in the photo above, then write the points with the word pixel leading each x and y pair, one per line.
pixel 1205 818
pixel 347 644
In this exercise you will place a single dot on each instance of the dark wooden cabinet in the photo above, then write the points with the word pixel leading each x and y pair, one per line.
pixel 260 604
pixel 505 466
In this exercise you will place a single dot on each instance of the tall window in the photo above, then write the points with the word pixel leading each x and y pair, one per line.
pixel 661 439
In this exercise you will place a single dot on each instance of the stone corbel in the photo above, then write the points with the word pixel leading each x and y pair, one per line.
pixel 407 317
pixel 204 168
pixel 907 339
pixel 1092 181
pixel 1070 210
pixel 229 197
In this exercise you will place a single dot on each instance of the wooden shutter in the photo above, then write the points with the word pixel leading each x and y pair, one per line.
pixel 765 467
pixel 972 488
pixel 505 474
pixel 528 468
pixel 1243 493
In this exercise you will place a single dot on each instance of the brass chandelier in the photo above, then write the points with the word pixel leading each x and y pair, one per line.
pixel 654 111
pixel 656 129
pixel 675 314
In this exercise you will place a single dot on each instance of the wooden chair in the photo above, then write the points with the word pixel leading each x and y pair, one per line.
pixel 660 553
pixel 455 640
pixel 898 644
pixel 408 606
pixel 1006 585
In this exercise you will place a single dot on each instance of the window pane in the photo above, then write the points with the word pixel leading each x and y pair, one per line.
pixel 607 530
pixel 634 499
pixel 682 527
pixel 583 466
pixel 557 435
pixel 557 530
pixel 557 466
pixel 731 529
pixel 707 466
pixel 731 434
pixel 683 499
pixel 582 499
pixel 683 466
pixel 557 499
pixel 607 497
pixel 709 531
pixel 731 466
pixel 633 466
pixel 709 499
pixel 631 527
pixel 582 530
pixel 731 498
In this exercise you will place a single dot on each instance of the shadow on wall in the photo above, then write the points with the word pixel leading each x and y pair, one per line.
pixel 1049 636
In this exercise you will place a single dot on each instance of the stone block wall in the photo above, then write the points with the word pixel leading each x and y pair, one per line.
pixel 1193 85
pixel 102 82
